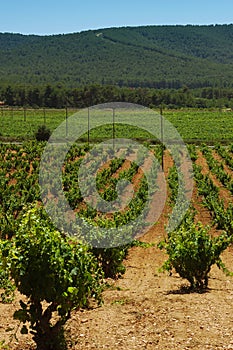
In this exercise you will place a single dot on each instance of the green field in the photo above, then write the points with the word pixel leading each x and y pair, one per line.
pixel 194 125
pixel 202 124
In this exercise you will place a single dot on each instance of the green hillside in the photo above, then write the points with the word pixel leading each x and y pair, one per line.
pixel 150 56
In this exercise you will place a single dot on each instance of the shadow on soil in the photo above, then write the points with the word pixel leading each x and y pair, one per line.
pixel 188 290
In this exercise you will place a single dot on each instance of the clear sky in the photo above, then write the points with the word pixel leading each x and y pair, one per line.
pixel 54 17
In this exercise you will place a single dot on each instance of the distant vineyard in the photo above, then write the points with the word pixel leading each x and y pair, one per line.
pixel 194 125
pixel 20 187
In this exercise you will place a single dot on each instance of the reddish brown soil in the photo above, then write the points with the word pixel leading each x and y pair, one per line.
pixel 221 160
pixel 150 310
pixel 224 193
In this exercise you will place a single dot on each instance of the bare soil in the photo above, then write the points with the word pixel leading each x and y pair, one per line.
pixel 146 309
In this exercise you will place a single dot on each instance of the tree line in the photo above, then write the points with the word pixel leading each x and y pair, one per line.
pixel 58 96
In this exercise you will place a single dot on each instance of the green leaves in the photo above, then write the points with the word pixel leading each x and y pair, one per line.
pixel 192 252
pixel 5 282
pixel 42 133
pixel 222 217
pixel 52 269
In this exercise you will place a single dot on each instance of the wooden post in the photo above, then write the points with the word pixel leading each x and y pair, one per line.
pixel 66 121
pixel 88 126
pixel 24 114
pixel 113 128
pixel 162 135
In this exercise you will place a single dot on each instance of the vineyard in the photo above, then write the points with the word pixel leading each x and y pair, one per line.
pixel 194 125
pixel 143 307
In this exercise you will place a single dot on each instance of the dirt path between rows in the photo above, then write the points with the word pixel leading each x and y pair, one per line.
pixel 224 193
pixel 221 160
pixel 149 310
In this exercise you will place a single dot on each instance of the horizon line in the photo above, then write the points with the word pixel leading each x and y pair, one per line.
pixel 117 27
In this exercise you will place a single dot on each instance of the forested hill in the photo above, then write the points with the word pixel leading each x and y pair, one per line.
pixel 149 56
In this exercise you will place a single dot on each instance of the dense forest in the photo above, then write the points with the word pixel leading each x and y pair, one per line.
pixel 153 65
pixel 59 96
pixel 149 56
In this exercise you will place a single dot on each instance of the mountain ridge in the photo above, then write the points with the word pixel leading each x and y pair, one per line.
pixel 147 56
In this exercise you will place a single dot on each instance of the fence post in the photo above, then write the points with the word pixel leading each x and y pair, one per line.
pixel 88 126
pixel 66 121
pixel 24 114
pixel 113 128
pixel 162 135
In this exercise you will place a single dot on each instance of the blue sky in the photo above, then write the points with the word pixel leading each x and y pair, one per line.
pixel 53 17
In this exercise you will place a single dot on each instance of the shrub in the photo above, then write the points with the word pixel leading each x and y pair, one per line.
pixel 55 273
pixel 42 133
pixel 111 260
pixel 192 252
pixel 6 284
